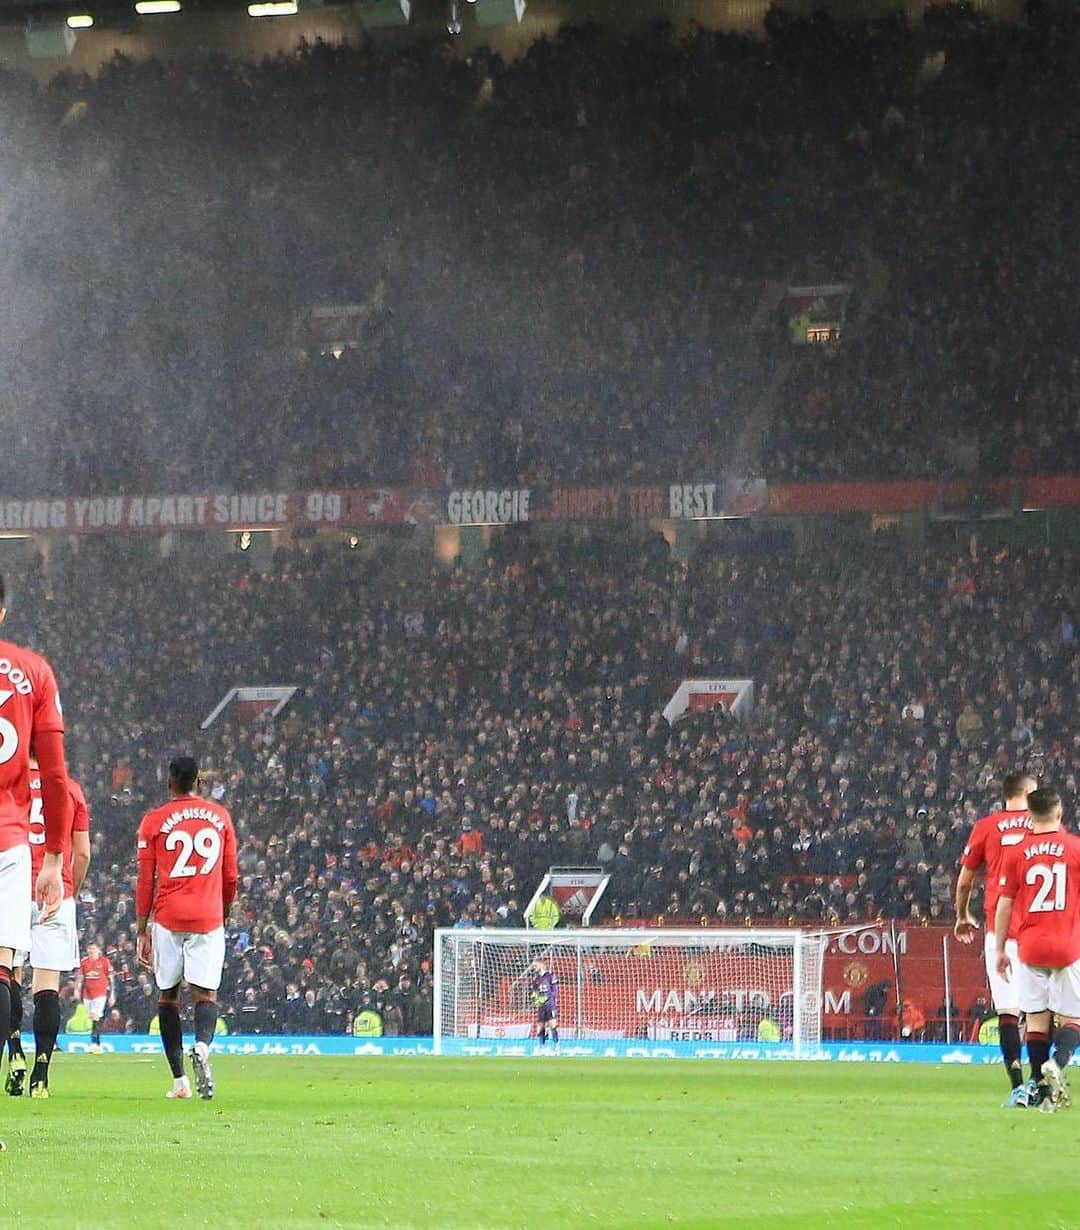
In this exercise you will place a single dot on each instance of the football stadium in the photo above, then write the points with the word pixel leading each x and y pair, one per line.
pixel 539 588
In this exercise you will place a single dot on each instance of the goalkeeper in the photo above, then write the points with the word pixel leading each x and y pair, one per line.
pixel 544 986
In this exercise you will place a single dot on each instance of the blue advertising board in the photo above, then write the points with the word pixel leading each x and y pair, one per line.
pixel 831 1052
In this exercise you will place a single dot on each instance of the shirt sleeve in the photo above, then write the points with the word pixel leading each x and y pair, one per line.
pixel 48 712
pixel 55 794
pixel 974 854
pixel 80 821
pixel 144 886
pixel 230 874
pixel 1009 879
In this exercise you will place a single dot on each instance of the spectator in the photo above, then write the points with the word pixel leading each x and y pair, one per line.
pixel 969 724
pixel 114 1023
pixel 471 841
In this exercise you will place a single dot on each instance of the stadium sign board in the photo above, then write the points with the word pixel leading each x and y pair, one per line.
pixel 734 695
pixel 249 703
pixel 575 890
pixel 354 508
pixel 322 1045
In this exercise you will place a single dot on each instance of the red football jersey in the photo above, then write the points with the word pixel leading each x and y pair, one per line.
pixel 80 823
pixel 95 975
pixel 990 837
pixel 29 704
pixel 1042 876
pixel 187 864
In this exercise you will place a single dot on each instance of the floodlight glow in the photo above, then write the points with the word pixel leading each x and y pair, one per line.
pixel 148 7
pixel 274 8
pixel 80 21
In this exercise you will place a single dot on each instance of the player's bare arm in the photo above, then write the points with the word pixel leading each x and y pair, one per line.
pixel 967 925
pixel 1002 919
pixel 80 859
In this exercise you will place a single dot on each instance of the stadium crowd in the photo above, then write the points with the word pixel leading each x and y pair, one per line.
pixel 455 734
pixel 559 263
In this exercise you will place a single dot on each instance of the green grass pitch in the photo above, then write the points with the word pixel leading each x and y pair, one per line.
pixel 539 1143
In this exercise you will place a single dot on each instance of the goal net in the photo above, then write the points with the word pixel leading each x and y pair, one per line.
pixel 670 986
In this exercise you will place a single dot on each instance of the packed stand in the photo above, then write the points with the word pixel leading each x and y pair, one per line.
pixel 455 735
pixel 559 262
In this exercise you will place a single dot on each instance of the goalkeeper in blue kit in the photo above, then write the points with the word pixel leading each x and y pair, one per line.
pixel 544 986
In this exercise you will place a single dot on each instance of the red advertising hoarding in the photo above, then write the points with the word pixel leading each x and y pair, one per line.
pixel 353 508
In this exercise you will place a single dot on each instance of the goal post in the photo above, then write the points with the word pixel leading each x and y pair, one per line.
pixel 619 988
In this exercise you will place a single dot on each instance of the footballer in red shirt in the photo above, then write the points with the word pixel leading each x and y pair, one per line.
pixel 1040 899
pixel 30 712
pixel 990 838
pixel 97 985
pixel 187 881
pixel 54 943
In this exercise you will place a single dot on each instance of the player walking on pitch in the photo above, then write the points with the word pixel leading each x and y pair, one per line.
pixel 54 945
pixel 97 989
pixel 30 712
pixel 187 881
pixel 989 840
pixel 1040 886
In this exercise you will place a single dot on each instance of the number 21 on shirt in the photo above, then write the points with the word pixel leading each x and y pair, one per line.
pixel 1051 882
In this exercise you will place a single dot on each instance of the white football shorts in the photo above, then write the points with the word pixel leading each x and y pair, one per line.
pixel 1004 995
pixel 95 1008
pixel 55 944
pixel 16 897
pixel 195 957
pixel 1054 990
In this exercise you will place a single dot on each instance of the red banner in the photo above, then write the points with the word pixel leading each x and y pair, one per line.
pixel 875 497
pixel 856 963
pixel 161 513
pixel 695 501
pixel 922 495
pixel 354 508
pixel 357 507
